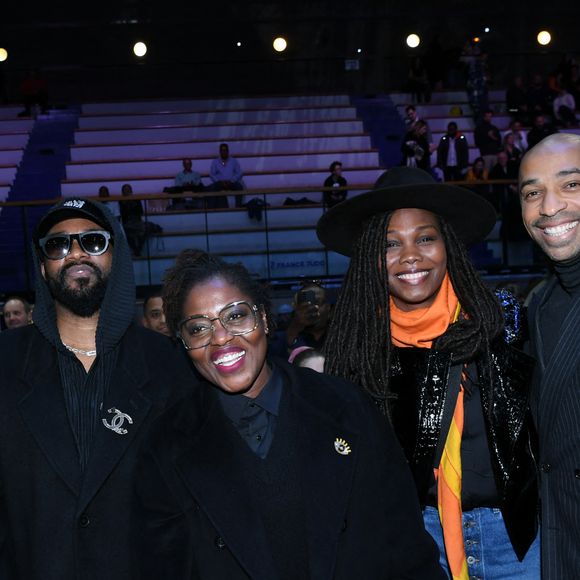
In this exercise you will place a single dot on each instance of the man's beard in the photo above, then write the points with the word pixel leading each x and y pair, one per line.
pixel 86 298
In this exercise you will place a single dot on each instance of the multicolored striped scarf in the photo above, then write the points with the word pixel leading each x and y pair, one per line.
pixel 419 328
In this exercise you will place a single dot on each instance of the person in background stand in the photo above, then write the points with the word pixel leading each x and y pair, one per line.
pixel 415 147
pixel 418 330
pixel 136 228
pixel 186 180
pixel 335 179
pixel 153 314
pixel 520 139
pixel 411 118
pixel 17 312
pixel 549 184
pixel 453 154
pixel 113 206
pixel 487 139
pixel 540 130
pixel 478 172
pixel 226 175
pixel 309 323
pixel 34 93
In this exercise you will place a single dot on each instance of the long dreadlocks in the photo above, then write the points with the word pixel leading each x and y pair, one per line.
pixel 358 345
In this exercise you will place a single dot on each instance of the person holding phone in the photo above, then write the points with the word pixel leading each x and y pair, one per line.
pixel 309 323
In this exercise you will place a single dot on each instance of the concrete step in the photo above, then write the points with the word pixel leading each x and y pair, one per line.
pixel 218 132
pixel 16 125
pixel 286 181
pixel 187 149
pixel 11 156
pixel 14 140
pixel 156 106
pixel 213 117
pixel 446 97
pixel 256 164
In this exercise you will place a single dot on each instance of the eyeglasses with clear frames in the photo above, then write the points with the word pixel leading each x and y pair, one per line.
pixel 237 318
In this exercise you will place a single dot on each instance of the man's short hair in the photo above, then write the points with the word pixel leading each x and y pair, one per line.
pixel 410 108
pixel 25 303
pixel 150 295
pixel 334 164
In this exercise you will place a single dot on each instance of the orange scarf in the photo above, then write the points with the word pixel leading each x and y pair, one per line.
pixel 420 328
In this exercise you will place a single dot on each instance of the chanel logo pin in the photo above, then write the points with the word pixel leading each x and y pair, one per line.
pixel 117 421
pixel 341 446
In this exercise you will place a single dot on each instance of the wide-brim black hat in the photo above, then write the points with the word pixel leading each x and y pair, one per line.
pixel 471 216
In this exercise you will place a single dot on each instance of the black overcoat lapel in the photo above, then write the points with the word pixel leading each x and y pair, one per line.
pixel 44 411
pixel 127 393
pixel 559 369
pixel 212 470
pixel 329 453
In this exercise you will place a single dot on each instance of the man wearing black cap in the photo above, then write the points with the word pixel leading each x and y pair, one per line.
pixel 78 390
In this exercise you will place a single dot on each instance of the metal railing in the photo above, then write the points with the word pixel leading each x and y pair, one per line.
pixel 19 219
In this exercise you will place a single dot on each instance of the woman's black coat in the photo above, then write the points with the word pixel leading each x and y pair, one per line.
pixel 195 512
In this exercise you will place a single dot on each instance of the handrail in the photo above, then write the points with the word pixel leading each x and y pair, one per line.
pixel 153 210
pixel 245 192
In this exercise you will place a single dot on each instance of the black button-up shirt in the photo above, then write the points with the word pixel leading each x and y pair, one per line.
pixel 255 419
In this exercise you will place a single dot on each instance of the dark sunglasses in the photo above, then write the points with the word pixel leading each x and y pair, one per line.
pixel 57 246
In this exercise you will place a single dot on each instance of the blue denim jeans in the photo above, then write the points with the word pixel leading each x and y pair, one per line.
pixel 489 552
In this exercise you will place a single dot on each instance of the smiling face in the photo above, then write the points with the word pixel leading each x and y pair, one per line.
pixel 235 364
pixel 15 314
pixel 550 196
pixel 416 258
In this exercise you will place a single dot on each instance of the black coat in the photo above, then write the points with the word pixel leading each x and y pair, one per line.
pixel 556 409
pixel 419 381
pixel 56 524
pixel 363 521
pixel 461 151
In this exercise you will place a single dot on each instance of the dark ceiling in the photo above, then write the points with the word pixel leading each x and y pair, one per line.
pixel 78 41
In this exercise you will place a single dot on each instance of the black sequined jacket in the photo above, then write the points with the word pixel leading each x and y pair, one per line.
pixel 419 380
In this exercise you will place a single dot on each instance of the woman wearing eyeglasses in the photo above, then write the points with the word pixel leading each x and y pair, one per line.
pixel 282 473
pixel 417 329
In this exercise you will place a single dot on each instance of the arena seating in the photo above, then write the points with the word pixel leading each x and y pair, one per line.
pixel 14 135
pixel 454 106
pixel 284 145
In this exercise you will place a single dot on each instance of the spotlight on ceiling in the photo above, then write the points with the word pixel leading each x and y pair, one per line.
pixel 280 44
pixel 487 29
pixel 544 37
pixel 140 49
pixel 359 50
pixel 238 44
pixel 3 54
pixel 413 41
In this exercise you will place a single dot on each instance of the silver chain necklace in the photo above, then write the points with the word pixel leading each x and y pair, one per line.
pixel 80 350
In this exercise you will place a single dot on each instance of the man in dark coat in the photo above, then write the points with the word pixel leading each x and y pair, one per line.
pixel 453 154
pixel 549 184
pixel 78 390
pixel 487 139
